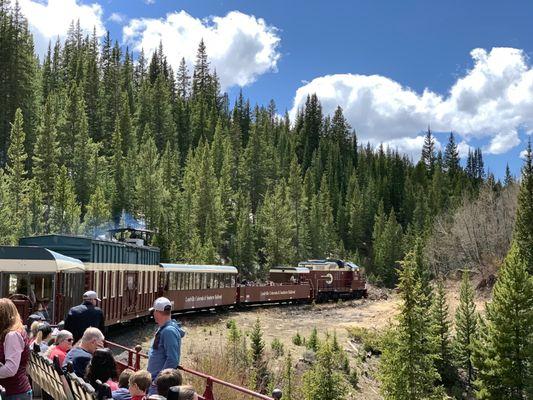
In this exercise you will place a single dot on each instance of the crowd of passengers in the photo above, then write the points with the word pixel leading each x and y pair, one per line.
pixel 87 357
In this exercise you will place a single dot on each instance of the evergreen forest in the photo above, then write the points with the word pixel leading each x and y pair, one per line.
pixel 93 137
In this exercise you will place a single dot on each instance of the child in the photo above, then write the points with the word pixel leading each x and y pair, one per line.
pixel 122 393
pixel 140 381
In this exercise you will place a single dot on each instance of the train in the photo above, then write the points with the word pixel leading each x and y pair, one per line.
pixel 51 272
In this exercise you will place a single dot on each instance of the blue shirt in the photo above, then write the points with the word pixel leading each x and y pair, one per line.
pixel 165 349
pixel 80 358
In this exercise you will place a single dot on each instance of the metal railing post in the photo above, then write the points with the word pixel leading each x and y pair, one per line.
pixel 208 393
pixel 138 349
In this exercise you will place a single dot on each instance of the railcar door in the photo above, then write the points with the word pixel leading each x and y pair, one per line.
pixel 130 292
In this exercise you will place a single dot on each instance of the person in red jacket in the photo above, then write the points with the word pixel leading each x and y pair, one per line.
pixel 64 342
pixel 14 353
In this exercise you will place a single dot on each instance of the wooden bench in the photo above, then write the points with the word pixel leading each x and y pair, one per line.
pixel 48 376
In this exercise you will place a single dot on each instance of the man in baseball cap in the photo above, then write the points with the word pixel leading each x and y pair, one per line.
pixel 165 350
pixel 161 304
pixel 85 315
pixel 90 295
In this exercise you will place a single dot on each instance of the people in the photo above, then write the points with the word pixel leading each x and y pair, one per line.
pixel 167 378
pixel 102 367
pixel 140 381
pixel 80 356
pixel 62 346
pixel 166 345
pixel 82 316
pixel 123 393
pixel 14 353
pixel 185 392
pixel 43 336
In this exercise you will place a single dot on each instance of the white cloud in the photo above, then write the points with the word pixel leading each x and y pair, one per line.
pixel 523 154
pixel 502 142
pixel 51 19
pixel 492 101
pixel 117 17
pixel 241 47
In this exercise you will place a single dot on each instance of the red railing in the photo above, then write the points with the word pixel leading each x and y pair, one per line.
pixel 134 362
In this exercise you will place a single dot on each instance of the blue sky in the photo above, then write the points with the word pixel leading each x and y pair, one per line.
pixel 394 66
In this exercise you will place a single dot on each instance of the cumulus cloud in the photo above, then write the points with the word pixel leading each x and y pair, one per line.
pixel 117 18
pixel 51 19
pixel 241 47
pixel 492 101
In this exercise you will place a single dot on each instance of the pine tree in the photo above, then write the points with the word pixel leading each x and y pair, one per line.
pixel 277 226
pixel 451 157
pixel 466 329
pixel 322 381
pixel 257 346
pixel 148 185
pixel 45 158
pixel 288 378
pixel 16 157
pixel 441 327
pixel 509 178
pixel 313 343
pixel 35 208
pixel 244 247
pixel 6 222
pixel 506 347
pixel 387 250
pixel 523 231
pixel 66 211
pixel 98 213
pixel 428 152
pixel 407 366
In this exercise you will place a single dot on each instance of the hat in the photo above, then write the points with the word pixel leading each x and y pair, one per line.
pixel 91 295
pixel 161 304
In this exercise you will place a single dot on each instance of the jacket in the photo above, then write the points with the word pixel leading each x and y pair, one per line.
pixel 82 317
pixel 79 358
pixel 165 350
pixel 121 394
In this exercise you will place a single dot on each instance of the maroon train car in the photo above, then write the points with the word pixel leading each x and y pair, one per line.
pixel 334 279
pixel 286 284
pixel 196 287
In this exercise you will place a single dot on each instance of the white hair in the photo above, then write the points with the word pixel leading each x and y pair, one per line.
pixel 92 334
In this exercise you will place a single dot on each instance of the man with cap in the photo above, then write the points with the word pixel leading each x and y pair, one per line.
pixel 165 349
pixel 85 315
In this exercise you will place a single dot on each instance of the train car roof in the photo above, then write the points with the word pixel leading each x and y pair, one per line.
pixel 214 269
pixel 290 270
pixel 36 259
pixel 55 238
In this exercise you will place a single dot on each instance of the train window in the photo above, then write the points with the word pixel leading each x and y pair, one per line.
pixel 148 282
pixel 121 283
pixel 140 282
pixel 96 282
pixel 178 280
pixel 198 281
pixel 104 285
pixel 114 284
pixel 171 280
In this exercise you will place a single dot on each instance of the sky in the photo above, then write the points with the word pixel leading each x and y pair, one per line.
pixel 395 67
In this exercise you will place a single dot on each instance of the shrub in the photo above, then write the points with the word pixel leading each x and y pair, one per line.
pixel 297 339
pixel 277 348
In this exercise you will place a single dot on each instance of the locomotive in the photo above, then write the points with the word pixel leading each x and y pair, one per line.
pixel 51 272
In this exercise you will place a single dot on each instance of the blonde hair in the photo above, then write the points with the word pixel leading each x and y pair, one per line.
pixel 142 378
pixel 9 318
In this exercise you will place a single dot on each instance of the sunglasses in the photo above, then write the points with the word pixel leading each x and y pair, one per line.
pixel 69 340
